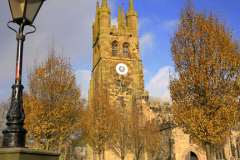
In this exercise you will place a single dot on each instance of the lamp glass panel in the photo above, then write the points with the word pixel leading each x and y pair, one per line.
pixel 17 8
pixel 32 9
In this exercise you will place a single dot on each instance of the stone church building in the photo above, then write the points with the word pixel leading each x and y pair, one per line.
pixel 118 68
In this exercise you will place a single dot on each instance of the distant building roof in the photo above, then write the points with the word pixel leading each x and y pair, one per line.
pixel 158 99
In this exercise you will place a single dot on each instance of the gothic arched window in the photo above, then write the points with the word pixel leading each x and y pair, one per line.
pixel 114 49
pixel 125 50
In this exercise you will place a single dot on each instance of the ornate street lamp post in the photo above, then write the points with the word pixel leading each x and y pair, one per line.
pixel 23 13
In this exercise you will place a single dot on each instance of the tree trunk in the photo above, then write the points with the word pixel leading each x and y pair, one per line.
pixel 37 145
pixel 137 157
pixel 47 145
pixel 208 153
pixel 213 156
pixel 99 155
pixel 65 153
pixel 60 146
pixel 122 154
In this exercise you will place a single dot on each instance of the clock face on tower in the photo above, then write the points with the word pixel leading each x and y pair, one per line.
pixel 121 69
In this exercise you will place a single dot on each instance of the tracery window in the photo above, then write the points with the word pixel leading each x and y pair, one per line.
pixel 114 49
pixel 125 50
pixel 220 155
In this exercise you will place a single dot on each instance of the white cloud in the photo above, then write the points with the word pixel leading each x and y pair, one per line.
pixel 146 43
pixel 143 21
pixel 146 71
pixel 167 25
pixel 158 85
pixel 83 78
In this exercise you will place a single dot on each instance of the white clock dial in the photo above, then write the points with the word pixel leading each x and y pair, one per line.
pixel 121 69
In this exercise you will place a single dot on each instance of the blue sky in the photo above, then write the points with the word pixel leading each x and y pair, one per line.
pixel 69 23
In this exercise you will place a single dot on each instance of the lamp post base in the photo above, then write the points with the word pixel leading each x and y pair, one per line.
pixel 14 135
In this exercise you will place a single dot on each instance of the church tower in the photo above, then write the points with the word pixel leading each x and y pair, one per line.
pixel 116 62
pixel 117 66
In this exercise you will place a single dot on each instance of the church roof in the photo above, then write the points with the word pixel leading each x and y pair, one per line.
pixel 158 99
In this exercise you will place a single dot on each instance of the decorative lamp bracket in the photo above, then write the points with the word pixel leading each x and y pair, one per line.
pixel 11 27
pixel 20 36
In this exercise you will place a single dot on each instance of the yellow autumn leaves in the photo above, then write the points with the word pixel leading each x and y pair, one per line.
pixel 99 122
pixel 53 105
pixel 206 89
pixel 153 142
pixel 108 127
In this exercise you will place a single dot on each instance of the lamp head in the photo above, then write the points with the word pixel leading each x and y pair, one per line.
pixel 24 10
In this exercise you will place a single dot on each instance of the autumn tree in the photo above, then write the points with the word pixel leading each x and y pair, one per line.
pixel 53 105
pixel 4 106
pixel 205 89
pixel 120 147
pixel 137 131
pixel 153 143
pixel 99 122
